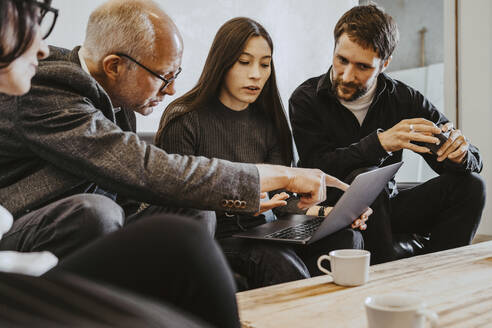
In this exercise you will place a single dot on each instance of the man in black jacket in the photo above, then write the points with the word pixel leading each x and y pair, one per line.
pixel 355 116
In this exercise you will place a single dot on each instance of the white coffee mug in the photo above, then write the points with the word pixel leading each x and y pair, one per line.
pixel 5 220
pixel 349 267
pixel 398 310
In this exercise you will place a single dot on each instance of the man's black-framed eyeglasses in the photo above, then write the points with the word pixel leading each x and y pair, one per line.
pixel 47 16
pixel 166 80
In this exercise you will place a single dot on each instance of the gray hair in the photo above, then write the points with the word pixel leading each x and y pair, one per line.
pixel 120 26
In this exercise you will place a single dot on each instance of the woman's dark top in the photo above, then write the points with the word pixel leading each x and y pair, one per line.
pixel 240 136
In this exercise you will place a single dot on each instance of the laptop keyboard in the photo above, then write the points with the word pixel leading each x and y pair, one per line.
pixel 298 232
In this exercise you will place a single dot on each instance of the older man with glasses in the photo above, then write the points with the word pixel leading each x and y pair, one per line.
pixel 67 223
pixel 75 129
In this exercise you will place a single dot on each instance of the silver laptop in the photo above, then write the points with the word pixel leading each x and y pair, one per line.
pixel 303 229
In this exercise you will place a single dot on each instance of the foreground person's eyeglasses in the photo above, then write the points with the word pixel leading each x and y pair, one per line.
pixel 47 17
pixel 46 21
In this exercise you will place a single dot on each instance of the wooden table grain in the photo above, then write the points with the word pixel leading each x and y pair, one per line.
pixel 456 283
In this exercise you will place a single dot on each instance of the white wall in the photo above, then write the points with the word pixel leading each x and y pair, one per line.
pixel 301 32
pixel 449 61
pixel 475 38
pixel 411 16
pixel 429 81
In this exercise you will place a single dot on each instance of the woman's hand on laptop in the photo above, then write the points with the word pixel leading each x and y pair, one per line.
pixel 315 210
pixel 276 201
pixel 360 222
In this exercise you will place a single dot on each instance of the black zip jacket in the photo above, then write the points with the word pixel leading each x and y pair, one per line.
pixel 329 137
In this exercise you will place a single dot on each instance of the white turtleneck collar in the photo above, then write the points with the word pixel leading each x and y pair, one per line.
pixel 360 106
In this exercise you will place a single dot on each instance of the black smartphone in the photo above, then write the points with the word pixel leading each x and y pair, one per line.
pixel 443 137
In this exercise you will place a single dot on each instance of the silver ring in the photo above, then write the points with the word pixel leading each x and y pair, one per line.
pixel 411 127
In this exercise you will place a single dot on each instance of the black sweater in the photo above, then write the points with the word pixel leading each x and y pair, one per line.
pixel 216 131
pixel 329 137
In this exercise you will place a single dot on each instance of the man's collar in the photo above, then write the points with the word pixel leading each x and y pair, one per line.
pixel 82 62
pixel 324 84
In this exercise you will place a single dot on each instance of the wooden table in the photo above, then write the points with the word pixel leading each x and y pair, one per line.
pixel 457 284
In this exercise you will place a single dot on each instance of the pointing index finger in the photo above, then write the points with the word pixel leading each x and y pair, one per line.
pixel 334 182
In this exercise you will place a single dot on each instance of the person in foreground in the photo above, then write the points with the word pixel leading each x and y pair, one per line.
pixel 159 272
pixel 74 130
pixel 235 113
pixel 355 117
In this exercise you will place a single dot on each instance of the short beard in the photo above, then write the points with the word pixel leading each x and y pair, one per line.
pixel 360 90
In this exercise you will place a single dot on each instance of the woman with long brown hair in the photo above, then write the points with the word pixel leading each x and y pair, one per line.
pixel 235 113
pixel 228 46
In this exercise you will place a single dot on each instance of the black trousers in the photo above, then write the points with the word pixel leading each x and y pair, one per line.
pixel 64 226
pixel 206 219
pixel 129 278
pixel 171 259
pixel 449 207
pixel 261 263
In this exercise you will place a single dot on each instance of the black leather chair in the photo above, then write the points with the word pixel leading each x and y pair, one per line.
pixel 409 244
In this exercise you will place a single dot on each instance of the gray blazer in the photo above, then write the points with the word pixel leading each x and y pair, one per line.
pixel 64 134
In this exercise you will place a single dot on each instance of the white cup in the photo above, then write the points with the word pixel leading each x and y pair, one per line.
pixel 349 267
pixel 398 310
pixel 5 220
